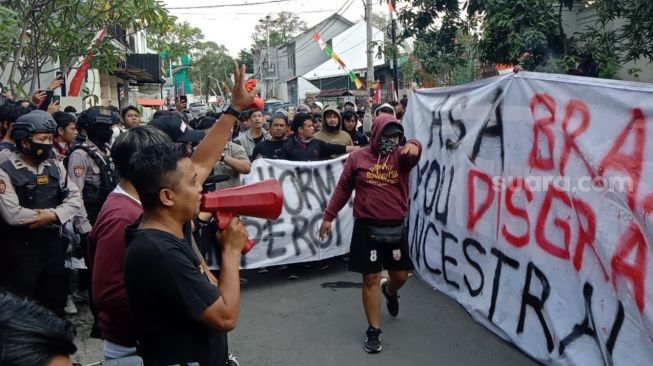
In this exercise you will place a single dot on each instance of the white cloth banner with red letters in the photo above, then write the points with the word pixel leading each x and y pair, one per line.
pixel 530 206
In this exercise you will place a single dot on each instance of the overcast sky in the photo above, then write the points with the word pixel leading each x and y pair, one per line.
pixel 233 26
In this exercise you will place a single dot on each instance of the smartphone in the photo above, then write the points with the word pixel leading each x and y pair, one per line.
pixel 63 85
pixel 47 100
pixel 56 99
pixel 183 99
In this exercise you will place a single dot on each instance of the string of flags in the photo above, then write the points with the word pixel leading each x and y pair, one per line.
pixel 329 52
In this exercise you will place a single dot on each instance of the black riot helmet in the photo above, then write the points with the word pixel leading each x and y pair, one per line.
pixel 33 122
pixel 97 122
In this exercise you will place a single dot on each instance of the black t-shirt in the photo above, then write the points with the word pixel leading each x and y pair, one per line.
pixel 314 150
pixel 268 149
pixel 167 293
pixel 257 139
pixel 359 139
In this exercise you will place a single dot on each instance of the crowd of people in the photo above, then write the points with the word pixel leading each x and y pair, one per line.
pixel 122 197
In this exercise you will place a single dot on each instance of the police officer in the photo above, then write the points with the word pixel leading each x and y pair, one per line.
pixel 36 199
pixel 89 162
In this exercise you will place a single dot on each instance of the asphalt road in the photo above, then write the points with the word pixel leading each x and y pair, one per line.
pixel 318 320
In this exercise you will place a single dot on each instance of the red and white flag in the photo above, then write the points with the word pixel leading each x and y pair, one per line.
pixel 77 74
pixel 377 93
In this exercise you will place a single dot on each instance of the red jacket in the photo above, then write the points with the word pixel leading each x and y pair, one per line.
pixel 381 182
pixel 109 292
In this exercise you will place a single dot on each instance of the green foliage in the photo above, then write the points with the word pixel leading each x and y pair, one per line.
pixel 282 27
pixel 9 31
pixel 511 27
pixel 211 66
pixel 177 42
pixel 246 58
pixel 60 31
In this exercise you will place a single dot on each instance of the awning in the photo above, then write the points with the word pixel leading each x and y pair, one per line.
pixel 139 75
pixel 334 93
pixel 150 102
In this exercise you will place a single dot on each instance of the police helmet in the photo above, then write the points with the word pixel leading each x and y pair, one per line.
pixel 33 122
pixel 97 116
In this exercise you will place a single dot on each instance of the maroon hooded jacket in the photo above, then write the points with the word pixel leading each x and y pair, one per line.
pixel 381 182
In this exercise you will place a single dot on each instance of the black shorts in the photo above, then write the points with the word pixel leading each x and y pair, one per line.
pixel 370 256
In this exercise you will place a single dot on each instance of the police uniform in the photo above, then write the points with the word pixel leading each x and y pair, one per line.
pixel 90 166
pixel 34 258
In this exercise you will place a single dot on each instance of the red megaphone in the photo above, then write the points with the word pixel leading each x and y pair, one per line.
pixel 262 199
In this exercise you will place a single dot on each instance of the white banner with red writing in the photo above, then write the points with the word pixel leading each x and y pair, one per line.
pixel 293 237
pixel 530 206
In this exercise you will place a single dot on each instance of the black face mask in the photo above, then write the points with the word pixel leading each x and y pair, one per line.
pixel 100 135
pixel 39 152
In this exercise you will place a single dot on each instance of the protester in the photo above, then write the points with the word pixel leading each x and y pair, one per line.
pixel 9 113
pixel 271 149
pixel 317 122
pixel 302 146
pixel 36 198
pixel 349 105
pixel 317 107
pixel 332 131
pixel 107 242
pixel 254 135
pixel 180 314
pixel 32 335
pixel 349 123
pixel 400 107
pixel 386 108
pixel 65 135
pixel 233 161
pixel 178 130
pixel 379 173
pixel 131 117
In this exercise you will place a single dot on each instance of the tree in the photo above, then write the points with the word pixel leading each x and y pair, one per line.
pixel 282 28
pixel 246 58
pixel 211 67
pixel 180 39
pixel 60 32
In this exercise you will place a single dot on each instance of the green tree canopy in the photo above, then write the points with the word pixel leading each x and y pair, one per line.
pixel 283 26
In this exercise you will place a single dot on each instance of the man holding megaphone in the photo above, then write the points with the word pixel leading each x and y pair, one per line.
pixel 180 315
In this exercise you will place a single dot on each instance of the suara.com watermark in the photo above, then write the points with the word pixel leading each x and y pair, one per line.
pixel 541 183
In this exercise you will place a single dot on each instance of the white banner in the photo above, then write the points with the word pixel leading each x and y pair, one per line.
pixel 521 210
pixel 293 237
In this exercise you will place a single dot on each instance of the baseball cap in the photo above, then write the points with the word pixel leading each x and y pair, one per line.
pixel 177 129
pixel 393 128
pixel 99 115
pixel 318 104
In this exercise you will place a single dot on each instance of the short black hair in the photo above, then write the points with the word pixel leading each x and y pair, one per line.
pixel 280 116
pixel 70 109
pixel 205 123
pixel 404 102
pixel 155 168
pixel 132 141
pixel 161 113
pixel 31 334
pixel 63 119
pixel 393 103
pixel 127 109
pixel 299 119
pixel 10 112
pixel 348 114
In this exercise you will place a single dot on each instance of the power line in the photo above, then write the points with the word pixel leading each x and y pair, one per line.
pixel 254 13
pixel 325 27
pixel 228 5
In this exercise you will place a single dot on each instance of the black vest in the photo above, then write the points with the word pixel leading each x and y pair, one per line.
pixel 94 196
pixel 34 191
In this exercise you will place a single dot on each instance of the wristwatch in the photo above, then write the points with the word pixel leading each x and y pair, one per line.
pixel 230 110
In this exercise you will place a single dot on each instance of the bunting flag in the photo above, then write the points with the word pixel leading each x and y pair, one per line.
pixel 78 75
pixel 329 52
pixel 391 6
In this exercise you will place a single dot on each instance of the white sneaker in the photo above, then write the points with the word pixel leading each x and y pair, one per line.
pixel 70 308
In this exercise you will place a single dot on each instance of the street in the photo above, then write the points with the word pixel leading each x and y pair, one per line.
pixel 318 320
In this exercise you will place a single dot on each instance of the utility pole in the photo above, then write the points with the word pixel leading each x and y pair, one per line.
pixel 395 67
pixel 370 52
